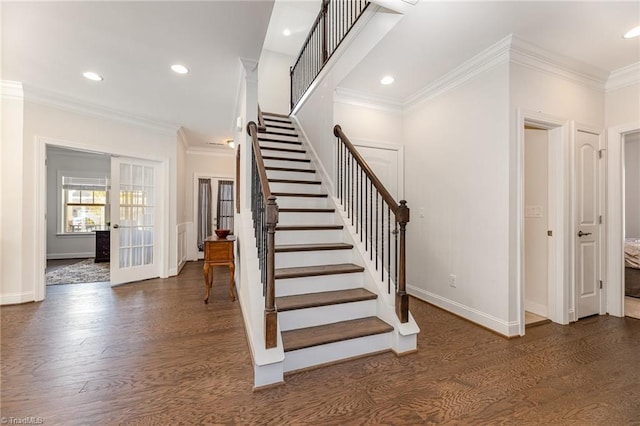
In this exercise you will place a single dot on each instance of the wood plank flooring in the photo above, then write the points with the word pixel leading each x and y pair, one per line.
pixel 153 353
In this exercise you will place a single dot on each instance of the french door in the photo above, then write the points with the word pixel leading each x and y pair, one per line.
pixel 134 220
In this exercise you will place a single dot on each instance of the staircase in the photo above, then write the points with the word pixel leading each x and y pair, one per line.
pixel 325 313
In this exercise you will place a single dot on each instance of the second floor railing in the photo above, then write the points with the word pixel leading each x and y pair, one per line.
pixel 265 218
pixel 335 19
pixel 377 218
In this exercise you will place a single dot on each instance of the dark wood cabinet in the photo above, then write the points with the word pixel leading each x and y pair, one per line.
pixel 103 246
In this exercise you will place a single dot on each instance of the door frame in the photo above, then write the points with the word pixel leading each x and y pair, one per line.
pixel 40 204
pixel 580 127
pixel 559 211
pixel 389 146
pixel 195 254
pixel 614 217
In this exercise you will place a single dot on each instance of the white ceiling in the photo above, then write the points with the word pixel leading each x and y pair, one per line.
pixel 47 46
pixel 435 37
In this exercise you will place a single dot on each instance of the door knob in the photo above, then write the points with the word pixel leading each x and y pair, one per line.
pixel 581 234
pixel 116 226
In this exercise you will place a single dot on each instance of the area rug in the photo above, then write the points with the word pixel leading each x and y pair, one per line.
pixel 85 271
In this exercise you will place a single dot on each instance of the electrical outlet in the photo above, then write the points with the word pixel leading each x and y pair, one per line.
pixel 452 280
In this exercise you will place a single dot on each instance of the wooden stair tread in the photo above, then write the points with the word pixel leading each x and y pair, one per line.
pixel 298 194
pixel 317 270
pixel 325 298
pixel 305 210
pixel 303 182
pixel 308 227
pixel 299 160
pixel 293 150
pixel 289 169
pixel 288 248
pixel 330 333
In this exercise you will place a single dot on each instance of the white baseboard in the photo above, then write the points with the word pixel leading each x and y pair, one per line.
pixel 508 329
pixel 16 298
pixel 85 255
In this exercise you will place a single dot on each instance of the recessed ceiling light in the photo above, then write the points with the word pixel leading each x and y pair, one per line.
pixel 90 75
pixel 387 79
pixel 635 32
pixel 286 32
pixel 180 69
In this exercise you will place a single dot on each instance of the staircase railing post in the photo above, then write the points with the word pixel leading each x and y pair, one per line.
pixel 402 298
pixel 270 313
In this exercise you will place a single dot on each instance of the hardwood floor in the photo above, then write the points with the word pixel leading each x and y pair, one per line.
pixel 154 353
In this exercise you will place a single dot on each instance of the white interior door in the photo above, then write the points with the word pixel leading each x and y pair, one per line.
pixel 587 238
pixel 134 220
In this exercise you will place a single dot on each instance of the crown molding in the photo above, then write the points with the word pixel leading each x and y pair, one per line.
pixel 221 151
pixel 11 90
pixel 361 99
pixel 57 100
pixel 182 137
pixel 529 55
pixel 623 77
pixel 479 64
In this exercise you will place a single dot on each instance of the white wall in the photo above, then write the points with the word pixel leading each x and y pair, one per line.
pixel 632 185
pixel 457 170
pixel 369 122
pixel 79 164
pixel 536 152
pixel 623 105
pixel 13 247
pixel 98 134
pixel 274 86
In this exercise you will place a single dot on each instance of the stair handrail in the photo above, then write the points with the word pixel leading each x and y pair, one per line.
pixel 265 218
pixel 334 21
pixel 347 178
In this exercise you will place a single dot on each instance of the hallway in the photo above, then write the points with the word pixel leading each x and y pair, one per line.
pixel 154 353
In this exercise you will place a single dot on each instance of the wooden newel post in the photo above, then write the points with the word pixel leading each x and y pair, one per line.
pixel 402 298
pixel 270 312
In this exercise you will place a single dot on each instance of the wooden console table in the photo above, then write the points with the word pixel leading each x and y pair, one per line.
pixel 218 252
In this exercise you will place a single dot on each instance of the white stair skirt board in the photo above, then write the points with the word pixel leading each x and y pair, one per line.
pixel 309 317
pixel 318 355
pixel 304 218
pixel 313 258
pixel 291 286
pixel 301 202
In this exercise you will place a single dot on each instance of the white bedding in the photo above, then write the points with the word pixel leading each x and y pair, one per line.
pixel 632 253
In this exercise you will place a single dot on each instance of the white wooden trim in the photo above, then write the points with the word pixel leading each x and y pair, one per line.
pixel 557 309
pixel 614 217
pixel 623 77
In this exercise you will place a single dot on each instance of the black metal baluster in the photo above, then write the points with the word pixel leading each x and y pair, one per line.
pixel 388 249
pixel 382 236
pixel 371 221
pixel 396 250
pixel 377 228
pixel 361 201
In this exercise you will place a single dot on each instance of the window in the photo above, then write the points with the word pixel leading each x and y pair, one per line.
pixel 85 204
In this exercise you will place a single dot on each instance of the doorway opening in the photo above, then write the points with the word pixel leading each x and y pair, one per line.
pixel 77 211
pixel 213 207
pixel 537 229
pixel 631 194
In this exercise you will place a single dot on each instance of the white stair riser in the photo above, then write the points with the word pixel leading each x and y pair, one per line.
pixel 272 153
pixel 277 137
pixel 277 174
pixel 310 317
pixel 302 202
pixel 289 164
pixel 313 258
pixel 306 218
pixel 317 355
pixel 276 144
pixel 295 187
pixel 291 286
pixel 309 237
